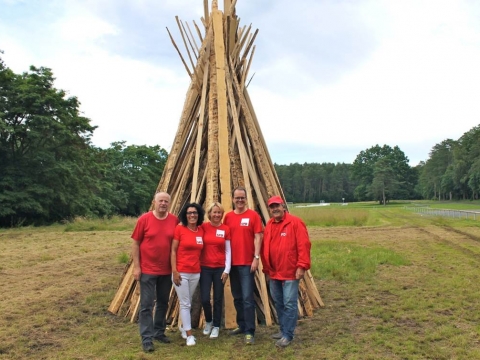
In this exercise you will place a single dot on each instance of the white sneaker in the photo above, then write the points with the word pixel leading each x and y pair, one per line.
pixel 183 332
pixel 191 340
pixel 208 328
pixel 214 333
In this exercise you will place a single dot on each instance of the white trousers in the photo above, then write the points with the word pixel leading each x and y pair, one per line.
pixel 185 293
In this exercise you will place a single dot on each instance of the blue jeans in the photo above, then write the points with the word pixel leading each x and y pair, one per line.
pixel 242 282
pixel 285 296
pixel 209 276
pixel 151 287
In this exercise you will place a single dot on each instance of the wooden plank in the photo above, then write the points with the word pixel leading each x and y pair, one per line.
pixel 245 73
pixel 255 142
pixel 226 6
pixel 224 160
pixel 198 31
pixel 278 187
pixel 193 39
pixel 200 129
pixel 236 129
pixel 205 12
pixel 135 303
pixel 180 54
pixel 305 300
pixel 230 313
pixel 124 288
pixel 181 28
pixel 212 187
pixel 313 288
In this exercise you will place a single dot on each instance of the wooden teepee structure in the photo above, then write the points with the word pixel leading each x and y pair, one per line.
pixel 218 146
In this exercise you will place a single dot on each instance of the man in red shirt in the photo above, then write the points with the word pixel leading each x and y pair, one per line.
pixel 285 258
pixel 246 240
pixel 152 240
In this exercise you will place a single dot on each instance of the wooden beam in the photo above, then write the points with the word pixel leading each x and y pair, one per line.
pixel 205 12
pixel 201 117
pixel 224 159
pixel 179 54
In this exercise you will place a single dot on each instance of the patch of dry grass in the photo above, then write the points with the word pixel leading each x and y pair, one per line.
pixel 57 286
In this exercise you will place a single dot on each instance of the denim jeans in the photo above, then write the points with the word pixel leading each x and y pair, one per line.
pixel 209 276
pixel 285 296
pixel 151 287
pixel 242 282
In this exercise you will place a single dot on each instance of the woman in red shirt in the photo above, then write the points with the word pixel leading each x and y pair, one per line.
pixel 215 263
pixel 187 246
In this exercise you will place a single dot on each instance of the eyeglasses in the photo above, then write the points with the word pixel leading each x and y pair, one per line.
pixel 192 213
pixel 240 198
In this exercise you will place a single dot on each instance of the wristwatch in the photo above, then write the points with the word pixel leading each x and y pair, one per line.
pixel 256 257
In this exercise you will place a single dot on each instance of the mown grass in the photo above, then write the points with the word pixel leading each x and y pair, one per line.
pixel 331 216
pixel 406 288
pixel 118 223
pixel 350 262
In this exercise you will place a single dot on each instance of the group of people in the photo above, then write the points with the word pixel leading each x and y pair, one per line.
pixel 187 251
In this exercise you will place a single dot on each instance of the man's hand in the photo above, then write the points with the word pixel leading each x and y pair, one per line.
pixel 300 273
pixel 137 272
pixel 254 265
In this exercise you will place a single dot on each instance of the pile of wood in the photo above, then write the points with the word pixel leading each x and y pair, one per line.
pixel 218 146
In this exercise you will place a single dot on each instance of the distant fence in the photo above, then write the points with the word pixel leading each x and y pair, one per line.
pixel 459 214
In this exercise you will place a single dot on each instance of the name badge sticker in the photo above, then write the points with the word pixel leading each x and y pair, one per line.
pixel 199 240
pixel 220 233
pixel 245 222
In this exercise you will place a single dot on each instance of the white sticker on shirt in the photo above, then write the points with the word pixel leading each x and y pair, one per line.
pixel 220 233
pixel 199 240
pixel 245 222
pixel 283 234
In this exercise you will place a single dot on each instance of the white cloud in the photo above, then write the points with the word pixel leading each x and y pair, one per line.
pixel 345 75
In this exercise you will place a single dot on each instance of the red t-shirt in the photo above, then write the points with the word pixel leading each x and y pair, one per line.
pixel 243 228
pixel 155 237
pixel 190 245
pixel 214 237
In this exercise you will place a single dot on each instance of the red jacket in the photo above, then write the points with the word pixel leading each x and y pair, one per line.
pixel 286 247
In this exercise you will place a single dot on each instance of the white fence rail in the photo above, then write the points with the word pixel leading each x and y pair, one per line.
pixel 459 214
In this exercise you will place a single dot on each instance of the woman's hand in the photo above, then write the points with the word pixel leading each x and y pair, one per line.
pixel 177 278
pixel 224 277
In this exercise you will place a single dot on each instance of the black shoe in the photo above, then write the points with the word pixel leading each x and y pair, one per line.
pixel 236 331
pixel 148 347
pixel 163 338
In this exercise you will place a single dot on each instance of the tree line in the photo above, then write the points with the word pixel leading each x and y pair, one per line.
pixel 50 171
pixel 383 173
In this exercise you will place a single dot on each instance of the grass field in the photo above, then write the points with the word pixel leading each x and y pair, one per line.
pixel 395 286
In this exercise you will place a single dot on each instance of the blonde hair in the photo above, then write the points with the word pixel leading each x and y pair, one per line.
pixel 211 206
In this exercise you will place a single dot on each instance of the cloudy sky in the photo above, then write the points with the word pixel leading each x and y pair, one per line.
pixel 332 77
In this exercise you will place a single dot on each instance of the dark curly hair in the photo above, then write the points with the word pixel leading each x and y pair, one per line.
pixel 183 214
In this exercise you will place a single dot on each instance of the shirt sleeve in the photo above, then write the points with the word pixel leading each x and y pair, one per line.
pixel 228 257
pixel 303 246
